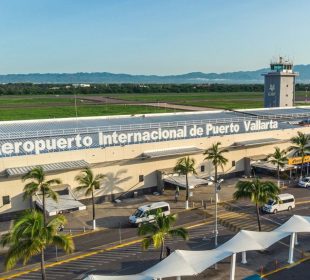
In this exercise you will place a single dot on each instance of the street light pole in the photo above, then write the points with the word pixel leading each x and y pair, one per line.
pixel 216 199
pixel 217 189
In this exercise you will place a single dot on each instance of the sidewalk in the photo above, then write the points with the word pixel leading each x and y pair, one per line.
pixel 114 215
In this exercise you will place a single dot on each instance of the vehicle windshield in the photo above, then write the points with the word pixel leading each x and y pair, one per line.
pixel 138 213
pixel 306 180
pixel 270 202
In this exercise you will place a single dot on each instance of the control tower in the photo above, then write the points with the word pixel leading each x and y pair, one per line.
pixel 279 89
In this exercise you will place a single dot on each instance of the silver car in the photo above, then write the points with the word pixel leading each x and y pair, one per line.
pixel 304 182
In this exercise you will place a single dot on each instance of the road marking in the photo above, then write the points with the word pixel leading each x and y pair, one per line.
pixel 286 266
pixel 84 255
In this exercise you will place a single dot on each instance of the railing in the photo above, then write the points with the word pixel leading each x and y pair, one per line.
pixel 133 127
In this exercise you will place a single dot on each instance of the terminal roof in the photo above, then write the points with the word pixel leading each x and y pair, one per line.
pixel 49 127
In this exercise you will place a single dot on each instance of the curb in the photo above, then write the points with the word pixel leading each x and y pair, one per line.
pixel 288 266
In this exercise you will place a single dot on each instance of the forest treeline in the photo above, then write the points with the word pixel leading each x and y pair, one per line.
pixel 36 89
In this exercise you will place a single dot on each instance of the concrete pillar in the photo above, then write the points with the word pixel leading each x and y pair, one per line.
pixel 178 277
pixel 186 204
pixel 232 266
pixel 243 261
pixel 291 252
pixel 296 241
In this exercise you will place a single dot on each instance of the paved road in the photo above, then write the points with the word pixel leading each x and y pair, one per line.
pixel 89 242
pixel 298 272
pixel 128 260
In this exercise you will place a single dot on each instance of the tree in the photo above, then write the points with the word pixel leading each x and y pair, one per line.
pixel 39 184
pixel 88 183
pixel 258 192
pixel 215 155
pixel 158 230
pixel 279 159
pixel 300 147
pixel 29 236
pixel 185 166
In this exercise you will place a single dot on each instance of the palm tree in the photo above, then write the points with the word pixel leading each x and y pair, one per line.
pixel 258 192
pixel 279 159
pixel 158 230
pixel 300 147
pixel 39 184
pixel 215 155
pixel 184 166
pixel 29 236
pixel 89 182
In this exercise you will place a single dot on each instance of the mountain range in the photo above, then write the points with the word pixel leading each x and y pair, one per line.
pixel 239 77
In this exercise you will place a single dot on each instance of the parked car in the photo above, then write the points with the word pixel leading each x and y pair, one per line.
pixel 146 213
pixel 304 182
pixel 283 202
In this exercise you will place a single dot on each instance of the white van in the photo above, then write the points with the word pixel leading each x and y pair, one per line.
pixel 285 201
pixel 146 213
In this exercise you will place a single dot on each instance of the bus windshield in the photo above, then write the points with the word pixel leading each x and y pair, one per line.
pixel 138 213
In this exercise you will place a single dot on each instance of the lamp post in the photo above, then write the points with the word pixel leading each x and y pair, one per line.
pixel 217 188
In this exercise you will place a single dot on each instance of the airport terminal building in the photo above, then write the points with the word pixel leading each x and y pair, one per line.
pixel 135 152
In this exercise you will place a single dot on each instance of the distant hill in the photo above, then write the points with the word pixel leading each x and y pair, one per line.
pixel 239 77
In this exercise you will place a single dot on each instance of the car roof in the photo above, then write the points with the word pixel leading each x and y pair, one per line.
pixel 284 195
pixel 153 205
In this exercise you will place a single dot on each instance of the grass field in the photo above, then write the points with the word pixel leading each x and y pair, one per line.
pixel 228 104
pixel 39 107
pixel 39 100
pixel 180 97
pixel 83 111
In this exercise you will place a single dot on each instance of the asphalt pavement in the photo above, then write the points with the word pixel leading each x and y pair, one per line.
pixel 99 252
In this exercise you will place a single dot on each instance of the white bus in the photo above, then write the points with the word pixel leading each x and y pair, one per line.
pixel 146 213
pixel 284 202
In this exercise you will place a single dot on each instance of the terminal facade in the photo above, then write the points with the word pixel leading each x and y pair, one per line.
pixel 136 152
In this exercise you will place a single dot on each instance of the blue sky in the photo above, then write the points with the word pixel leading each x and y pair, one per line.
pixel 150 36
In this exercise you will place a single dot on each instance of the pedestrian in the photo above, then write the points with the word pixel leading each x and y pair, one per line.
pixel 168 251
pixel 176 195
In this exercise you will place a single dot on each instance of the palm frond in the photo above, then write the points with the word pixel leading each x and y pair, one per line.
pixel 64 242
pixel 179 232
pixel 30 189
pixel 52 194
pixel 29 236
pixel 146 242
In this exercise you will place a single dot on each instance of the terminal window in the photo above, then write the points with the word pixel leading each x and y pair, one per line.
pixel 233 163
pixel 6 199
pixel 202 168
pixel 141 178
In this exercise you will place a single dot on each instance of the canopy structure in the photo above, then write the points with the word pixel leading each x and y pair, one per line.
pixel 270 166
pixel 170 152
pixel 295 224
pixel 66 201
pixel 180 181
pixel 118 277
pixel 50 167
pixel 257 142
pixel 186 263
pixel 247 240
